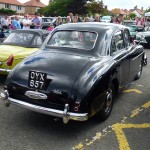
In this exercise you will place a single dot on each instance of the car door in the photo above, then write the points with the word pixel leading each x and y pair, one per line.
pixel 135 54
pixel 120 55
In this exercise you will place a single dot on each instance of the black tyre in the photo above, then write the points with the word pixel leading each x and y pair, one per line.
pixel 108 105
pixel 138 75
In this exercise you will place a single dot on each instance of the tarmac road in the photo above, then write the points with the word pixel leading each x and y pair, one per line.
pixel 127 128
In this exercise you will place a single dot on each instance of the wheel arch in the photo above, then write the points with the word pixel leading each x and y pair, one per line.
pixel 96 90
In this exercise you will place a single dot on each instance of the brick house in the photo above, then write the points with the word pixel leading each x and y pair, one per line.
pixel 118 11
pixel 13 5
pixel 138 12
pixel 32 6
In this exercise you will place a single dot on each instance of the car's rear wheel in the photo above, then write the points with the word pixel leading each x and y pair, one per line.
pixel 108 105
pixel 138 75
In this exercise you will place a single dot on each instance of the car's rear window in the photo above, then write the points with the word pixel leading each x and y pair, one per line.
pixel 73 39
pixel 19 38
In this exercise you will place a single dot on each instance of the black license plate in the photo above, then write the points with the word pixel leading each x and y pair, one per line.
pixel 37 80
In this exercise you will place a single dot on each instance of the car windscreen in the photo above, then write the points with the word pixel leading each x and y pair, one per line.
pixel 19 38
pixel 73 39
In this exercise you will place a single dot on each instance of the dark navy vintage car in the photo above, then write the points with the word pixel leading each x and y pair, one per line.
pixel 144 37
pixel 77 73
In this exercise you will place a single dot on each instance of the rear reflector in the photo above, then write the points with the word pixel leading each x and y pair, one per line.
pixel 10 60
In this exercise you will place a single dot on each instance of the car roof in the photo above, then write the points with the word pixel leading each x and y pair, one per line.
pixel 90 26
pixel 34 31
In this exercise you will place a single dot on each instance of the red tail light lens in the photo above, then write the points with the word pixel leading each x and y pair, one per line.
pixel 10 60
pixel 76 106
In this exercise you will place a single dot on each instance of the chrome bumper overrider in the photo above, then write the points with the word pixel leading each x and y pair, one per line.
pixel 66 115
pixel 4 70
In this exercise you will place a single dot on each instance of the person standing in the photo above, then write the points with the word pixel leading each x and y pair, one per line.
pixel 86 19
pixel 140 21
pixel 67 19
pixel 36 21
pixel 5 23
pixel 58 21
pixel 71 17
pixel 26 22
pixel 15 24
pixel 77 18
pixel 51 28
pixel 120 19
pixel 113 19
pixel 97 18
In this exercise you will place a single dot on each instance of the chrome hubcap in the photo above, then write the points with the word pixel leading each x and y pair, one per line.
pixel 108 101
pixel 139 73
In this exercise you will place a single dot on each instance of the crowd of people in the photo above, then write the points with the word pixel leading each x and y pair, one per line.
pixel 36 22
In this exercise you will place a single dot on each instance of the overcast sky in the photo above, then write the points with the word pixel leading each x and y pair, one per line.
pixel 128 4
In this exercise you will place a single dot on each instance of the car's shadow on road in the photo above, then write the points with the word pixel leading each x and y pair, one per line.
pixel 48 125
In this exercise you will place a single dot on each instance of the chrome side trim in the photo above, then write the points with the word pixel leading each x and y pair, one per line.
pixel 5 70
pixel 137 56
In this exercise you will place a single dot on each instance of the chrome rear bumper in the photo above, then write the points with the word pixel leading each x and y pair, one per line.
pixel 65 114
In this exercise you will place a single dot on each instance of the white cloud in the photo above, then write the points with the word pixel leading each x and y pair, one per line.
pixel 127 4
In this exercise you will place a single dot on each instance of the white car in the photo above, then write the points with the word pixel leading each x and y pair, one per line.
pixel 106 19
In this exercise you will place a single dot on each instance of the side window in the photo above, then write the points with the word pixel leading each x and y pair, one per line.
pixel 113 46
pixel 37 41
pixel 44 36
pixel 119 41
pixel 127 38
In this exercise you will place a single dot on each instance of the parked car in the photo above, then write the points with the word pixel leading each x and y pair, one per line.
pixel 134 29
pixel 144 37
pixel 77 73
pixel 4 34
pixel 47 21
pixel 18 45
pixel 129 22
pixel 106 19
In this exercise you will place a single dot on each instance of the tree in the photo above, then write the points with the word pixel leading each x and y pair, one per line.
pixel 81 7
pixel 147 10
pixel 7 11
pixel 132 15
pixel 78 6
pixel 56 8
pixel 63 7
pixel 95 7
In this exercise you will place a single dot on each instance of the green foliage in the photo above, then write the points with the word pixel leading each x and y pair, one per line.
pixel 77 7
pixel 132 15
pixel 147 10
pixel 57 8
pixel 81 7
pixel 96 7
pixel 7 11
